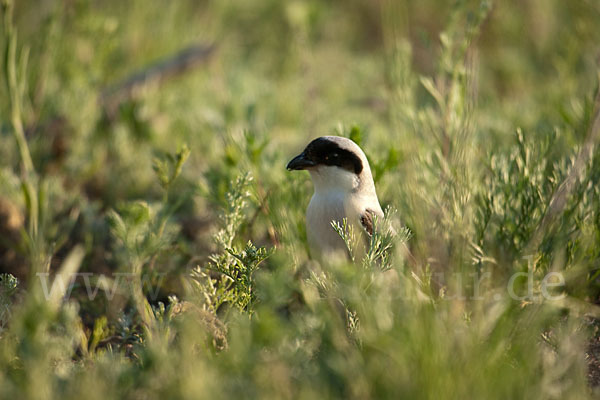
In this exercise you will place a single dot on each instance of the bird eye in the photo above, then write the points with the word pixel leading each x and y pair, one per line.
pixel 332 156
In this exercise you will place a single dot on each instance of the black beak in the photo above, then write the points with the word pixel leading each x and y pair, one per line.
pixel 300 162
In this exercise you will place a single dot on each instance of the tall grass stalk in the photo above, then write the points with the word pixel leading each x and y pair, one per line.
pixel 15 79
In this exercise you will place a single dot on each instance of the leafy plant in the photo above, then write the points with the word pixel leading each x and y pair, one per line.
pixel 380 245
pixel 234 282
pixel 144 231
pixel 8 286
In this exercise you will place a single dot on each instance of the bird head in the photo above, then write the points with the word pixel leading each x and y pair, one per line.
pixel 335 163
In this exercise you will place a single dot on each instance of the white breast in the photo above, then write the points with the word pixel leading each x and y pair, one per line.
pixel 323 240
pixel 338 194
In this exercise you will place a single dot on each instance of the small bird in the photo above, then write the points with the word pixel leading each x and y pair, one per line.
pixel 344 188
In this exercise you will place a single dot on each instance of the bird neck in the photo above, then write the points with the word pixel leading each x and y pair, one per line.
pixel 334 180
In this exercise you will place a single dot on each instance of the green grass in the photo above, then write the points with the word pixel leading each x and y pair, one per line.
pixel 481 121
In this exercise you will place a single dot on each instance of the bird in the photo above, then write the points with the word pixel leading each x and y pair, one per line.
pixel 343 190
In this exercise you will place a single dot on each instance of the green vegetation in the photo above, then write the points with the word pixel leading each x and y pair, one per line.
pixel 159 242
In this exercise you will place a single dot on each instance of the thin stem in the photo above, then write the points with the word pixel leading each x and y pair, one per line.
pixel 15 92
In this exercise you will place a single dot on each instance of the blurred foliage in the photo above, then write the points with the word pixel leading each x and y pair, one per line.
pixel 184 278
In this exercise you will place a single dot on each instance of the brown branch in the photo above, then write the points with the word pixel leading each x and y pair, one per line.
pixel 156 73
pixel 560 197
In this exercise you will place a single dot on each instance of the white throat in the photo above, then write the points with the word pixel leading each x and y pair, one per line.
pixel 331 179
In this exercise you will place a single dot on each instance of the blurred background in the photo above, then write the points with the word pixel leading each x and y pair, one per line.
pixel 472 114
pixel 108 86
pixel 289 70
